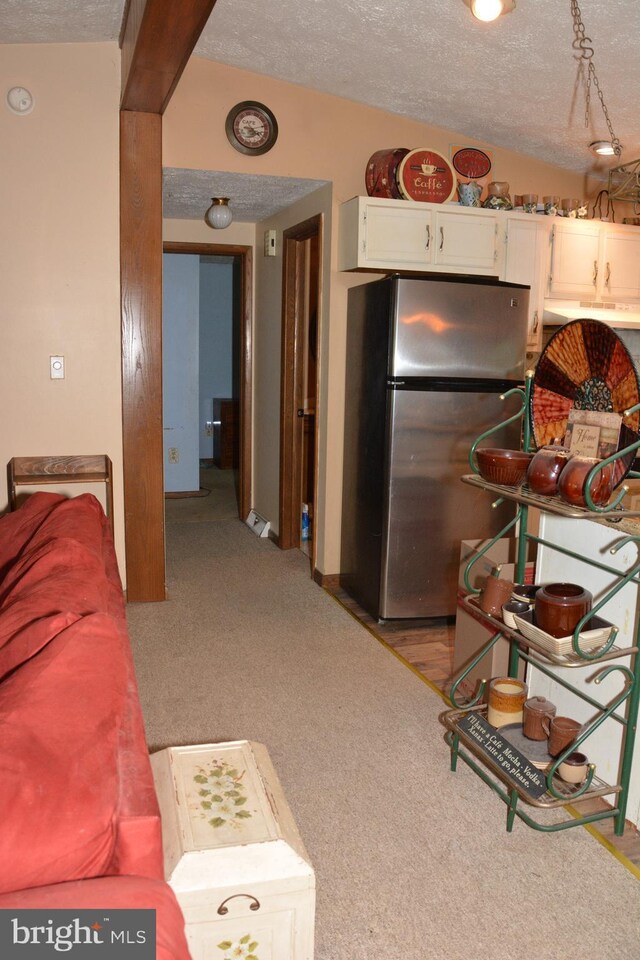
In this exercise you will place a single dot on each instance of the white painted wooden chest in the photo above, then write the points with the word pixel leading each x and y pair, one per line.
pixel 233 854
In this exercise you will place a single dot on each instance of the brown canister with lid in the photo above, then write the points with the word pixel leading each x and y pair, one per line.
pixel 535 712
pixel 380 176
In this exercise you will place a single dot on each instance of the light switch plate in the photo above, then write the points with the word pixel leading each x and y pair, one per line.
pixel 270 243
pixel 57 368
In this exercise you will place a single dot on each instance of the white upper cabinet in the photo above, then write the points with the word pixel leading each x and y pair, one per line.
pixel 526 243
pixel 466 238
pixel 620 279
pixel 405 235
pixel 591 260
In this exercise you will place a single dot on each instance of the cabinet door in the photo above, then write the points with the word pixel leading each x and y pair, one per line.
pixel 524 264
pixel 466 240
pixel 575 269
pixel 397 236
pixel 620 270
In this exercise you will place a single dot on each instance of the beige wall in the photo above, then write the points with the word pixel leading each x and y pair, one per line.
pixel 326 138
pixel 59 257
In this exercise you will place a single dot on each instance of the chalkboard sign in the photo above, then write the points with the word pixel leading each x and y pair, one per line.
pixel 512 763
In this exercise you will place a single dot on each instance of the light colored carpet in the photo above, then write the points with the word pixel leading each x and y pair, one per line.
pixel 220 502
pixel 412 862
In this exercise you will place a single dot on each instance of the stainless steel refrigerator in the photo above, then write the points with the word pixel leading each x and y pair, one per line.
pixel 427 360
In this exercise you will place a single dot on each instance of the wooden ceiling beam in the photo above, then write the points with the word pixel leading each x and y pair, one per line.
pixel 158 38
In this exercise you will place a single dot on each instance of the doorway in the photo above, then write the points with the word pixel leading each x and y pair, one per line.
pixel 301 294
pixel 223 429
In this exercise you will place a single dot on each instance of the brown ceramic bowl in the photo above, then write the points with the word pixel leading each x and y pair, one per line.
pixel 503 466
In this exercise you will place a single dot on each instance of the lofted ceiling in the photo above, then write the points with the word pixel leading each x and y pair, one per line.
pixel 513 83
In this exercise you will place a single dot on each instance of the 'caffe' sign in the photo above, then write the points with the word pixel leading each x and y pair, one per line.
pixel 426 175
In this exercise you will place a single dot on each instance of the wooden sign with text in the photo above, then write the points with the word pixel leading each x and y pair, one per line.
pixel 513 765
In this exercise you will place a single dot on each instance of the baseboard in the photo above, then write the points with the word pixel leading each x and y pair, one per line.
pixel 330 581
pixel 273 536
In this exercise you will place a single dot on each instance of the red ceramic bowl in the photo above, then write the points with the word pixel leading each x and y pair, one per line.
pixel 503 466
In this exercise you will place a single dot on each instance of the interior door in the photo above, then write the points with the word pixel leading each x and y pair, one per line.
pixel 302 272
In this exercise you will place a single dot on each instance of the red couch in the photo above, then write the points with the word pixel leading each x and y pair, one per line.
pixel 79 820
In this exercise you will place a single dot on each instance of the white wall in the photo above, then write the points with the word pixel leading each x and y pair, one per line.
pixel 180 334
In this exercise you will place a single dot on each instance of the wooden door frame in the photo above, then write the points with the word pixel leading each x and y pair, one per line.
pixel 245 255
pixel 291 370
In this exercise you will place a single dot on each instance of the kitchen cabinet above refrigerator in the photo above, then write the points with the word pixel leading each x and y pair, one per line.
pixel 383 235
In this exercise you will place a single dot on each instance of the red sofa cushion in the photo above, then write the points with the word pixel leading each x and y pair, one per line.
pixel 46 590
pixel 113 893
pixel 17 528
pixel 59 715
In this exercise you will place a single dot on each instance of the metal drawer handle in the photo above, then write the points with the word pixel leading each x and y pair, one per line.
pixel 428 237
pixel 441 237
pixel 223 910
pixel 535 322
pixel 595 272
pixel 607 279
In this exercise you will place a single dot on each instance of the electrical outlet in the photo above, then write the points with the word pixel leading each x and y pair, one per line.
pixel 208 428
pixel 174 456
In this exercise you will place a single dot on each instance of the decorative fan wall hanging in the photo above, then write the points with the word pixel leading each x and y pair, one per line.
pixel 585 366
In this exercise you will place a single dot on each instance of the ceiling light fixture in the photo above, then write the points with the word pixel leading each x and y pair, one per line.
pixel 584 55
pixel 219 214
pixel 488 10
pixel 603 148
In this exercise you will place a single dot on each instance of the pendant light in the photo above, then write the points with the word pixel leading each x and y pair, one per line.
pixel 219 213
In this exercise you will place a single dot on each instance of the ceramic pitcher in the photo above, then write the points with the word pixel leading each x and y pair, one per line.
pixel 469 193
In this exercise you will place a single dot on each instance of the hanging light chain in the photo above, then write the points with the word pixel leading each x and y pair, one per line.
pixel 582 44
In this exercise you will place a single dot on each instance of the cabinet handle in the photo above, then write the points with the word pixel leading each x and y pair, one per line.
pixel 535 322
pixel 441 237
pixel 428 237
pixel 608 276
pixel 595 272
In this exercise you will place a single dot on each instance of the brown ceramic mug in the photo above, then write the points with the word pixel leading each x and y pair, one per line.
pixel 537 710
pixel 544 470
pixel 495 594
pixel 559 607
pixel 562 732
pixel 572 482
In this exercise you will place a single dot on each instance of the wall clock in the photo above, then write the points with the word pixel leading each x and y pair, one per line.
pixel 251 127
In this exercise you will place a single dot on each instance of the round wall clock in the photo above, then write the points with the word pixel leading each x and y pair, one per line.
pixel 251 127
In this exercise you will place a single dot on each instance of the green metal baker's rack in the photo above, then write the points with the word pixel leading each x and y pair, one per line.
pixel 623 708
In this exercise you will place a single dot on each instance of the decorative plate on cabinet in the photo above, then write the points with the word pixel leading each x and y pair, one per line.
pixel 471 162
pixel 585 366
pixel 426 175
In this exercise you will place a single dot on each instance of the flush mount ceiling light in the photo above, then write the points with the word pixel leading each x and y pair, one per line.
pixel 488 10
pixel 219 214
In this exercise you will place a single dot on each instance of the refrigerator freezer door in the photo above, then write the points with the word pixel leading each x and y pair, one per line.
pixel 429 511
pixel 457 329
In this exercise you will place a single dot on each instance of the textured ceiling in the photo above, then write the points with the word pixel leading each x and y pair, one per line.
pixel 186 194
pixel 513 83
